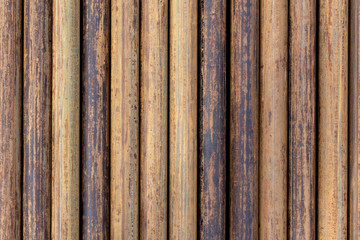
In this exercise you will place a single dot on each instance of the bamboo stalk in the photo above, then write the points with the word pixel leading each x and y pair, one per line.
pixel 95 122
pixel 154 122
pixel 212 123
pixel 273 114
pixel 66 120
pixel 124 119
pixel 183 119
pixel 333 120
pixel 37 120
pixel 10 118
pixel 244 120
pixel 302 157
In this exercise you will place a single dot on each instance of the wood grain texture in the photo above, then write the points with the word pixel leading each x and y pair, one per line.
pixel 10 118
pixel 183 120
pixel 333 119
pixel 302 137
pixel 95 120
pixel 124 199
pixel 212 120
pixel 154 119
pixel 66 120
pixel 244 120
pixel 354 78
pixel 273 114
pixel 37 120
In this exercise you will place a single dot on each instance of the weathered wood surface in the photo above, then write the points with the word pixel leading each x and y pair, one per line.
pixel 124 199
pixel 274 119
pixel 212 120
pixel 244 120
pixel 183 120
pixel 154 120
pixel 10 118
pixel 95 120
pixel 302 137
pixel 354 51
pixel 333 119
pixel 66 120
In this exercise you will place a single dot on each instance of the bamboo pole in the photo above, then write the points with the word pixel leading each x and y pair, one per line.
pixel 66 120
pixel 183 119
pixel 124 120
pixel 154 122
pixel 353 121
pixel 333 120
pixel 302 77
pixel 37 120
pixel 244 120
pixel 10 118
pixel 273 114
pixel 95 122
pixel 212 120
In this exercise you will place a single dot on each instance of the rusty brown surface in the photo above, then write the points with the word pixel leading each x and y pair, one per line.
pixel 10 118
pixel 66 119
pixel 37 120
pixel 273 115
pixel 183 120
pixel 333 119
pixel 212 120
pixel 244 120
pixel 302 137
pixel 154 119
pixel 124 199
pixel 95 120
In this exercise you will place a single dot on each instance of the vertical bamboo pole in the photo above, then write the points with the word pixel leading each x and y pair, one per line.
pixel 10 118
pixel 302 77
pixel 66 119
pixel 95 122
pixel 273 113
pixel 124 119
pixel 37 120
pixel 212 123
pixel 183 119
pixel 333 119
pixel 353 121
pixel 244 119
pixel 154 122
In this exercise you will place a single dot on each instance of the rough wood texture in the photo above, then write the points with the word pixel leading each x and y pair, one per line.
pixel 274 118
pixel 333 119
pixel 302 138
pixel 154 119
pixel 37 120
pixel 66 119
pixel 212 120
pixel 244 120
pixel 124 197
pixel 10 118
pixel 183 119
pixel 95 120
pixel 353 119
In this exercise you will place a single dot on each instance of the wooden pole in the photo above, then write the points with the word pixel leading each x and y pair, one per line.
pixel 183 119
pixel 302 139
pixel 124 120
pixel 212 120
pixel 244 120
pixel 154 119
pixel 333 119
pixel 273 114
pixel 37 120
pixel 95 120
pixel 10 118
pixel 66 120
